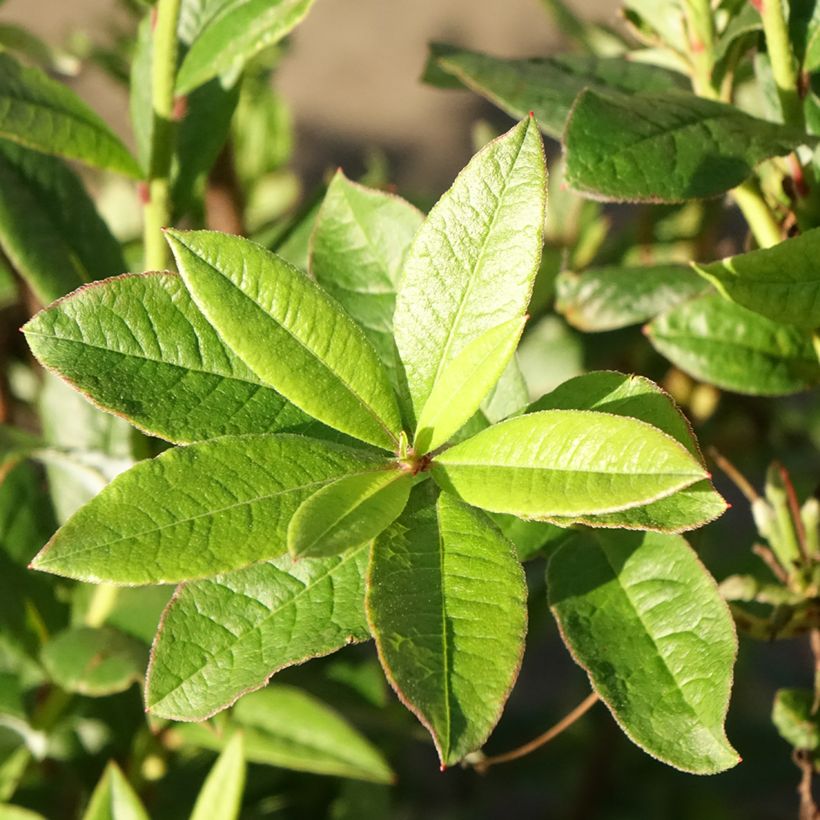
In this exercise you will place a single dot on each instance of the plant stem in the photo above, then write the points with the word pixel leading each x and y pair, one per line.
pixel 163 77
pixel 700 23
pixel 761 220
pixel 481 765
pixel 101 604
pixel 784 64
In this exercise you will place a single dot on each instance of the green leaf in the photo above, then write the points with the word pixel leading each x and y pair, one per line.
pixel 49 228
pixel 643 617
pixel 468 377
pixel 221 794
pixel 638 398
pixel 359 243
pixel 666 147
pixel 566 463
pixel 285 727
pixel 614 297
pixel 782 282
pixel 447 603
pixel 225 636
pixel 668 21
pixel 547 87
pixel 314 353
pixel 114 799
pixel 727 345
pixel 239 30
pixel 42 114
pixel 9 812
pixel 196 511
pixel 94 662
pixel 348 512
pixel 472 264
pixel 137 346
pixel 793 716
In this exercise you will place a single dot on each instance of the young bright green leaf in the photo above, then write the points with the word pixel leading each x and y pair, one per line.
pixel 221 794
pixel 566 463
pixel 547 87
pixel 138 346
pixel 228 635
pixel 359 243
pixel 638 398
pixel 447 604
pixel 463 382
pixel 239 30
pixel 45 115
pixel 666 147
pixel 114 799
pixel 794 718
pixel 49 228
pixel 348 512
pixel 782 282
pixel 203 509
pixel 727 345
pixel 285 727
pixel 472 264
pixel 313 353
pixel 94 662
pixel 610 298
pixel 642 616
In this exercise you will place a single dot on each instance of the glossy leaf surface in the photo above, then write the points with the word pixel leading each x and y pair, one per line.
pixel 640 613
pixel 738 350
pixel 666 147
pixel 225 636
pixel 566 463
pixel 41 113
pixel 447 604
pixel 314 353
pixel 348 512
pixel 204 509
pixel 472 264
pixel 138 346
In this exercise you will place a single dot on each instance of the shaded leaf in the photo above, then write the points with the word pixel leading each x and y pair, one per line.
pixel 222 637
pixel 727 345
pixel 793 716
pixel 643 617
pixel 314 354
pixel 447 604
pixel 203 509
pixel 666 147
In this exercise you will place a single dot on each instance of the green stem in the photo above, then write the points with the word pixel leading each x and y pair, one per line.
pixel 101 604
pixel 784 64
pixel 761 220
pixel 163 77
pixel 700 23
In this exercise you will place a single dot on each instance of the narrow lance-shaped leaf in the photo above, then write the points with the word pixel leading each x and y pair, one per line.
pixel 638 398
pixel 42 114
pixel 666 147
pixel 225 636
pixel 221 794
pixel 610 298
pixel 348 512
pixel 640 613
pixel 782 282
pixel 282 726
pixel 463 382
pixel 203 509
pixel 447 605
pixel 566 463
pixel 239 30
pixel 49 228
pixel 546 86
pixel 736 349
pixel 357 249
pixel 314 353
pixel 138 346
pixel 473 262
pixel 114 799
